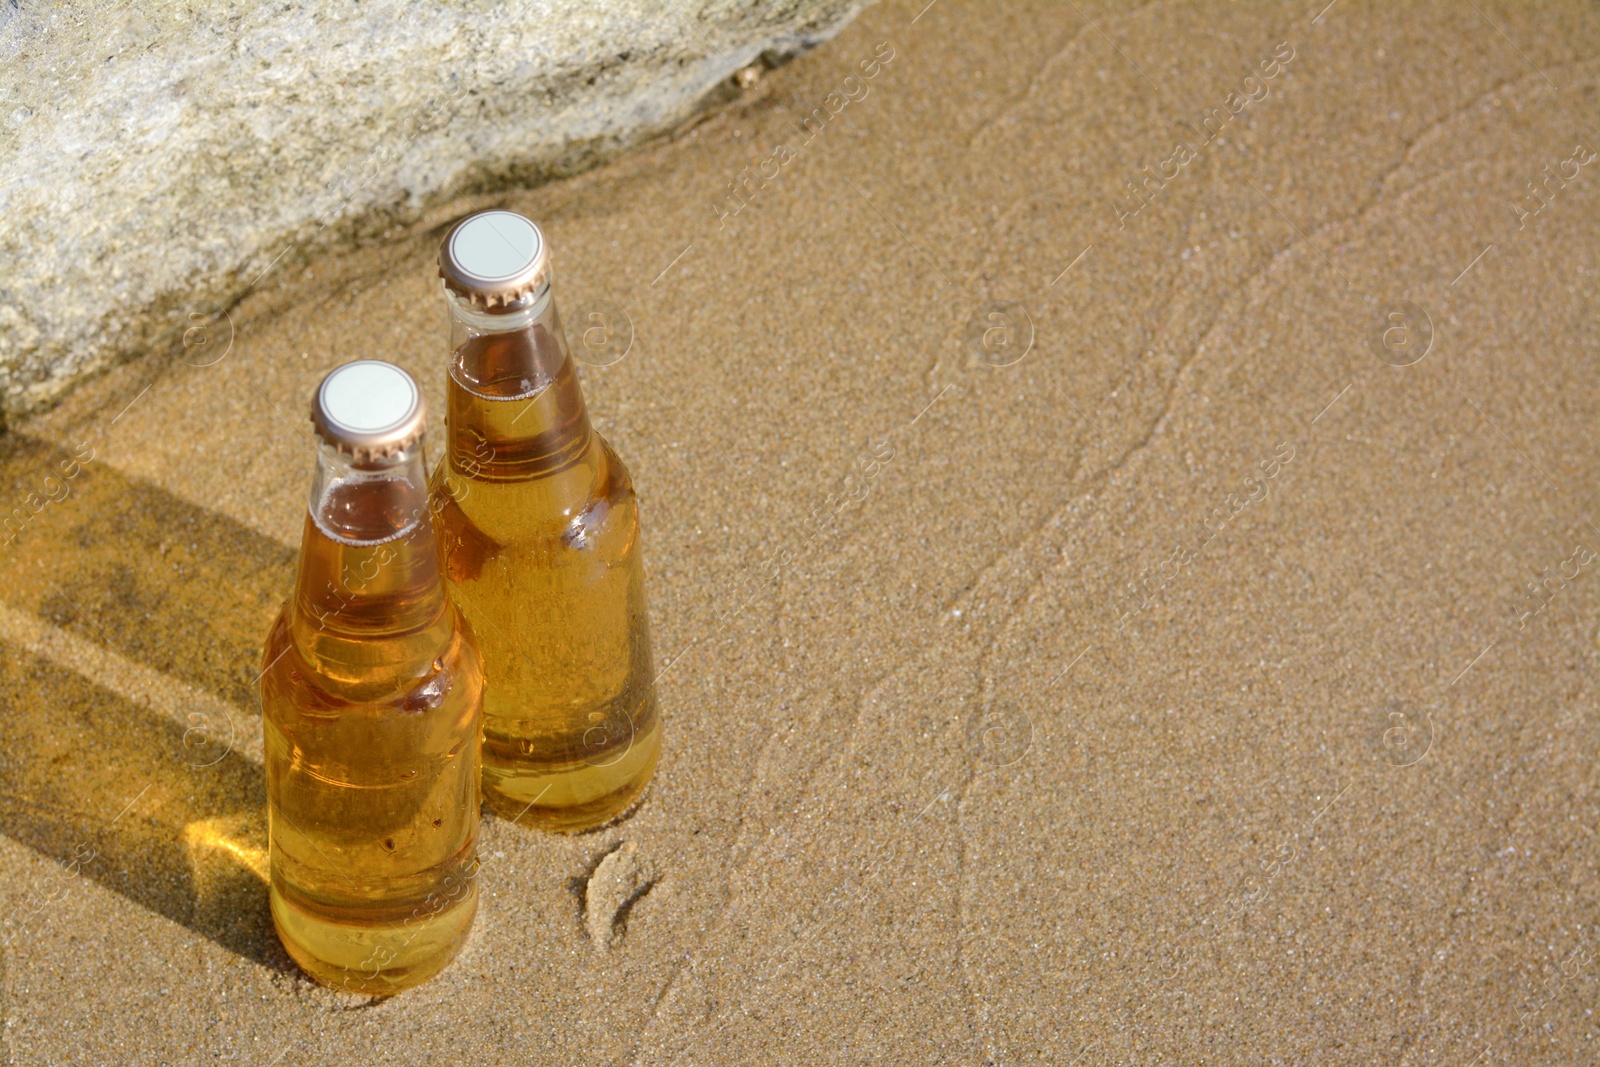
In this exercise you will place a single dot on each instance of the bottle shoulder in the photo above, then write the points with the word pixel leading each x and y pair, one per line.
pixel 330 674
pixel 568 505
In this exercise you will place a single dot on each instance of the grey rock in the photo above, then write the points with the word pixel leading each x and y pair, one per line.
pixel 154 159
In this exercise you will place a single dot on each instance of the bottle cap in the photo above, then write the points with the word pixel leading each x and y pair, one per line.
pixel 495 259
pixel 369 409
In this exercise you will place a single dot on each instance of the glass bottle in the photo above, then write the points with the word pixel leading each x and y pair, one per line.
pixel 372 690
pixel 539 527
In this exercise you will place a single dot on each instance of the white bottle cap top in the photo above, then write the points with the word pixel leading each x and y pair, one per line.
pixel 494 259
pixel 369 409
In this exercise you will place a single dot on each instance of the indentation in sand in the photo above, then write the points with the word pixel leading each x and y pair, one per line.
pixel 620 881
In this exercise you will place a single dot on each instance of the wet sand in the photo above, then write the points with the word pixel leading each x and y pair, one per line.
pixel 1093 627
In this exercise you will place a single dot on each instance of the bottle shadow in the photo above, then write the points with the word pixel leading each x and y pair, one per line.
pixel 113 791
pixel 127 565
pixel 107 789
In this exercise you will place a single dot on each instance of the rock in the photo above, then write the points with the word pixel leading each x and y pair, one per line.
pixel 620 879
pixel 158 158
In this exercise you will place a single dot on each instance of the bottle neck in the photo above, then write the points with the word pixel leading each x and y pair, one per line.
pixel 369 566
pixel 368 502
pixel 516 408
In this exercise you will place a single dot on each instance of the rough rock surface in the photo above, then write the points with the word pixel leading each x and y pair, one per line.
pixel 153 162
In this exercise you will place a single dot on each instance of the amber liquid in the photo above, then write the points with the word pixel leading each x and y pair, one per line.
pixel 540 532
pixel 372 702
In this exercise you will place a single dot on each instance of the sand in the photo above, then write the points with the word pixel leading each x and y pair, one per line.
pixel 1081 642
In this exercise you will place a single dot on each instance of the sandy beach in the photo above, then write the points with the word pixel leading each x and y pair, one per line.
pixel 1119 492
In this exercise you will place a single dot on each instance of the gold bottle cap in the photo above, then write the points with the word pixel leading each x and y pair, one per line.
pixel 369 409
pixel 494 259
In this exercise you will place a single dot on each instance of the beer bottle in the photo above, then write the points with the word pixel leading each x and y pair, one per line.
pixel 539 527
pixel 372 690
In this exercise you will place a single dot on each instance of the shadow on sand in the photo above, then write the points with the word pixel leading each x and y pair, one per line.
pixel 112 791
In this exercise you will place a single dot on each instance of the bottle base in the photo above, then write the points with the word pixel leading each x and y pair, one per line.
pixel 372 959
pixel 570 799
